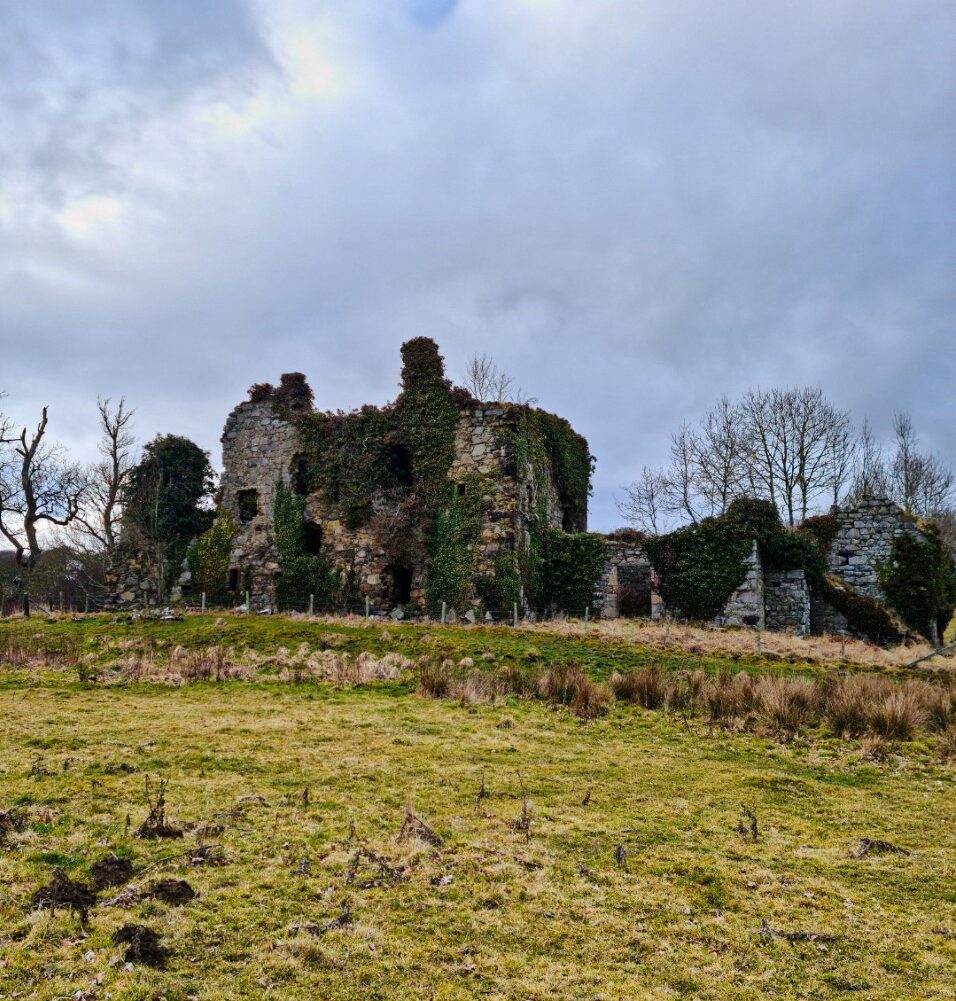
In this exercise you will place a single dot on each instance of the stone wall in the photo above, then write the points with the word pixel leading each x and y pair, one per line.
pixel 786 601
pixel 864 541
pixel 617 557
pixel 745 607
pixel 484 450
pixel 257 451
pixel 824 618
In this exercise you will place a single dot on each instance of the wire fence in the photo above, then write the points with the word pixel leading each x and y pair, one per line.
pixel 100 600
pixel 368 609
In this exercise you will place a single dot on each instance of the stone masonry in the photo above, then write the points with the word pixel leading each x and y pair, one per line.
pixel 257 450
pixel 745 607
pixel 261 448
pixel 864 541
pixel 786 601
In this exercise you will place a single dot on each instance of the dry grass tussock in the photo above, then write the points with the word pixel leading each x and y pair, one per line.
pixel 850 706
pixel 218 663
pixel 563 685
pixel 713 641
pixel 37 651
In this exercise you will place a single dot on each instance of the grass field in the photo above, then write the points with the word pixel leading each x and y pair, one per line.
pixel 635 855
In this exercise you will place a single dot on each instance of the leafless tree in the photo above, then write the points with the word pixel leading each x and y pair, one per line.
pixel 820 442
pixel 718 456
pixel 790 446
pixel 681 478
pixel 646 500
pixel 98 522
pixel 798 446
pixel 921 482
pixel 869 465
pixel 39 489
pixel 760 445
pixel 840 456
pixel 486 381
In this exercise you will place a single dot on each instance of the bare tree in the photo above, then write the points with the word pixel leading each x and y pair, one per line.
pixel 681 479
pixel 798 446
pixel 489 383
pixel 790 446
pixel 820 440
pixel 38 489
pixel 870 477
pixel 840 455
pixel 719 455
pixel 646 500
pixel 921 482
pixel 760 445
pixel 99 521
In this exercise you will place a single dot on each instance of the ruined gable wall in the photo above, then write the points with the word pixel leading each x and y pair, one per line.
pixel 864 541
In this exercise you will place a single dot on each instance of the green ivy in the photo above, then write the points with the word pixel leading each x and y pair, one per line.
pixel 501 591
pixel 571 565
pixel 300 573
pixel 919 580
pixel 428 415
pixel 209 558
pixel 346 457
pixel 544 440
pixel 823 528
pixel 699 566
pixel 453 546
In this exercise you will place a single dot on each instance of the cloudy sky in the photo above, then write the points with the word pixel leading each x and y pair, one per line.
pixel 634 205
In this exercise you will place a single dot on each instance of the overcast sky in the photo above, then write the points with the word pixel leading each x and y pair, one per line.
pixel 635 206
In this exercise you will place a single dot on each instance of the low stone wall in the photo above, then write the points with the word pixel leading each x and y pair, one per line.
pixel 787 601
pixel 617 555
pixel 745 607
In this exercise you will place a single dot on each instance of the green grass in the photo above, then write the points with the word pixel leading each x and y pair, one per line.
pixel 598 655
pixel 548 916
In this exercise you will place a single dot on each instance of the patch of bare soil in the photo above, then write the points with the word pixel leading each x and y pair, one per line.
pixel 172 891
pixel 111 871
pixel 61 891
pixel 142 945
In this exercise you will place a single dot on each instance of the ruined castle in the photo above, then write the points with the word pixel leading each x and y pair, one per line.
pixel 440 500
pixel 369 483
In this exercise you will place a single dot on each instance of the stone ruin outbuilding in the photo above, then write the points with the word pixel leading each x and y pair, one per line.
pixel 768 598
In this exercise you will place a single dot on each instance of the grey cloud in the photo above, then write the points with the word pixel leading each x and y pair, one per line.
pixel 635 207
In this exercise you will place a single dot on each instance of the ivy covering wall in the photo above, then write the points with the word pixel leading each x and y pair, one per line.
pixel 402 454
pixel 209 558
pixel 544 442
pixel 300 573
pixel 700 566
pixel 919 580
pixel 571 565
pixel 452 548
